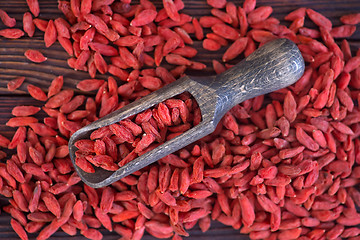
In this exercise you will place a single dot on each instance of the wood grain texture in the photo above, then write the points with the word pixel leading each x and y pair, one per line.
pixel 274 66
pixel 13 64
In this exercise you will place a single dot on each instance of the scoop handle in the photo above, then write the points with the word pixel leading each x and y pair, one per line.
pixel 276 65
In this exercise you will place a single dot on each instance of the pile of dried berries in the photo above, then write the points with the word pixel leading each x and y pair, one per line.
pixel 280 166
pixel 115 145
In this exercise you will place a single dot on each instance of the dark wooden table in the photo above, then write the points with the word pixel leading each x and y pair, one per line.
pixel 13 64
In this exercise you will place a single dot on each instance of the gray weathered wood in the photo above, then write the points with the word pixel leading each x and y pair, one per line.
pixel 276 65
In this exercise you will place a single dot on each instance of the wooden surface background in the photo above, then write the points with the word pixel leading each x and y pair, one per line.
pixel 13 64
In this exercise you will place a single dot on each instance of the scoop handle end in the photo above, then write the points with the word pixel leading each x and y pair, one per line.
pixel 276 65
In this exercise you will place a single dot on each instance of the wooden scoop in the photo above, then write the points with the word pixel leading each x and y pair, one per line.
pixel 276 65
